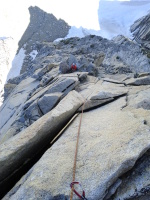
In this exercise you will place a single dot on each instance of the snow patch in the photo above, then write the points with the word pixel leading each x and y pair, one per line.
pixel 78 32
pixel 16 64
pixel 116 17
pixel 33 54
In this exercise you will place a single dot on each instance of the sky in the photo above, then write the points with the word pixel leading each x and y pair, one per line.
pixel 75 12
pixel 99 17
pixel 90 14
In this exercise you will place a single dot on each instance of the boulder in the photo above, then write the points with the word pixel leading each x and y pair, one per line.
pixel 90 68
pixel 64 67
pixel 48 101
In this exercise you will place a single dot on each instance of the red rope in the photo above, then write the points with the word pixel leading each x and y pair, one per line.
pixel 76 152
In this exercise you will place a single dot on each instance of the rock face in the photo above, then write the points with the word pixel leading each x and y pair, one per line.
pixel 42 27
pixel 33 138
pixel 113 83
pixel 104 154
pixel 141 31
pixel 92 54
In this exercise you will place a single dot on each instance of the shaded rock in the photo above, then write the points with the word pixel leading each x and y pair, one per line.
pixel 24 146
pixel 64 67
pixel 62 85
pixel 42 27
pixel 8 88
pixel 145 104
pixel 103 92
pixel 141 31
pixel 72 59
pixel 33 112
pixel 136 183
pixel 123 53
pixel 139 81
pixel 119 65
pixel 40 72
pixel 14 104
pixel 82 77
pixel 99 59
pixel 117 78
pixel 15 128
pixel 90 68
pixel 48 101
pixel 104 154
pixel 113 189
pixel 143 74
pixel 16 80
pixel 139 97
pixel 47 78
pixel 90 104
pixel 102 95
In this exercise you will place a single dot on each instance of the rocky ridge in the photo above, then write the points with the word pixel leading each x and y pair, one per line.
pixel 42 27
pixel 141 32
pixel 113 79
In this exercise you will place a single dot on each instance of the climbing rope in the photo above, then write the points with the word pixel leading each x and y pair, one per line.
pixel 75 161
pixel 82 196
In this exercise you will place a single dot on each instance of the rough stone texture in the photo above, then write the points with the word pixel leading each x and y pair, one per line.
pixel 13 106
pixel 137 182
pixel 140 97
pixel 33 112
pixel 113 189
pixel 90 68
pixel 48 101
pixel 101 93
pixel 42 27
pixel 111 140
pixel 139 81
pixel 60 85
pixel 108 56
pixel 141 31
pixel 113 137
pixel 22 147
pixel 99 59
pixel 8 88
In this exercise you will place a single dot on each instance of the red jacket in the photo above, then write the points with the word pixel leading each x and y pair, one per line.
pixel 74 67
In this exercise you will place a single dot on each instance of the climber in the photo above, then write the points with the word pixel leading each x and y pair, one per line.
pixel 73 67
